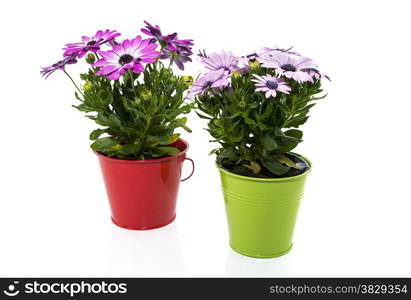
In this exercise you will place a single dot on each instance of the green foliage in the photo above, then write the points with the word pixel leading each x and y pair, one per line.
pixel 138 115
pixel 256 133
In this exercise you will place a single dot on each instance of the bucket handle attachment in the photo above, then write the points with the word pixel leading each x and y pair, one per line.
pixel 192 171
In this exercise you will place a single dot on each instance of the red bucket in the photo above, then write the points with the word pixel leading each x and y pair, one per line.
pixel 143 193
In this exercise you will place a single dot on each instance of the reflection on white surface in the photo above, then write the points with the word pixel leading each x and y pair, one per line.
pixel 243 266
pixel 147 253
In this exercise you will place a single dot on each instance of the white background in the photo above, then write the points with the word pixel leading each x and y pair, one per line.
pixel 355 217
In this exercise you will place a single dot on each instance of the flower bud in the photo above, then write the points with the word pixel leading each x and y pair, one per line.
pixel 187 80
pixel 254 65
pixel 87 86
pixel 236 74
pixel 146 94
pixel 90 58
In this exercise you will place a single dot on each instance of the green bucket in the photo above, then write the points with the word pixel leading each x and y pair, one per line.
pixel 262 213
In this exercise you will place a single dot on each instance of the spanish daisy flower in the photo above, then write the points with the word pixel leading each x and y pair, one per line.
pixel 244 64
pixel 267 52
pixel 178 57
pixel 153 31
pixel 90 43
pixel 224 61
pixel 289 65
pixel 171 41
pixel 270 85
pixel 60 65
pixel 213 79
pixel 178 51
pixel 129 55
pixel 315 74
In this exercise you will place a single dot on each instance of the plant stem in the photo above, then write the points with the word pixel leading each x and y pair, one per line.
pixel 130 74
pixel 73 82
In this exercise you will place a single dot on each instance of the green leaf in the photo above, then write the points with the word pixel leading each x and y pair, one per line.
pixel 128 149
pixel 274 166
pixel 168 151
pixel 318 98
pixel 297 121
pixel 84 107
pixel 162 139
pixel 294 133
pixel 254 166
pixel 268 142
pixel 104 144
pixel 226 153
pixel 173 138
pixel 181 122
pixel 213 151
pixel 95 134
pixel 290 140
pixel 285 160
pixel 202 116
pixel 114 121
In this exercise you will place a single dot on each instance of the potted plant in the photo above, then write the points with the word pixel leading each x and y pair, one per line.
pixel 138 102
pixel 254 106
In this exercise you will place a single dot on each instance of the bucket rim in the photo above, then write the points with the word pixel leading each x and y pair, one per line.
pixel 147 161
pixel 290 178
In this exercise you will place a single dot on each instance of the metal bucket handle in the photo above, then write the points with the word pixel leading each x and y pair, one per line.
pixel 192 171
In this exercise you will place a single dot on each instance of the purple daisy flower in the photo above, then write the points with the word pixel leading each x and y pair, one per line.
pixel 90 43
pixel 153 31
pixel 60 65
pixel 214 79
pixel 178 51
pixel 179 57
pixel 289 65
pixel 171 42
pixel 129 55
pixel 225 61
pixel 270 85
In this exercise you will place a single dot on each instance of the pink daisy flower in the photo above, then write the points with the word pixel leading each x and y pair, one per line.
pixel 130 54
pixel 90 43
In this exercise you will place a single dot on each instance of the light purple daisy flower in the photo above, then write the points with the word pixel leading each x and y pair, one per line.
pixel 270 85
pixel 220 61
pixel 289 65
pixel 214 79
pixel 315 74
pixel 129 55
pixel 244 63
pixel 267 52
pixel 90 43
pixel 60 65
